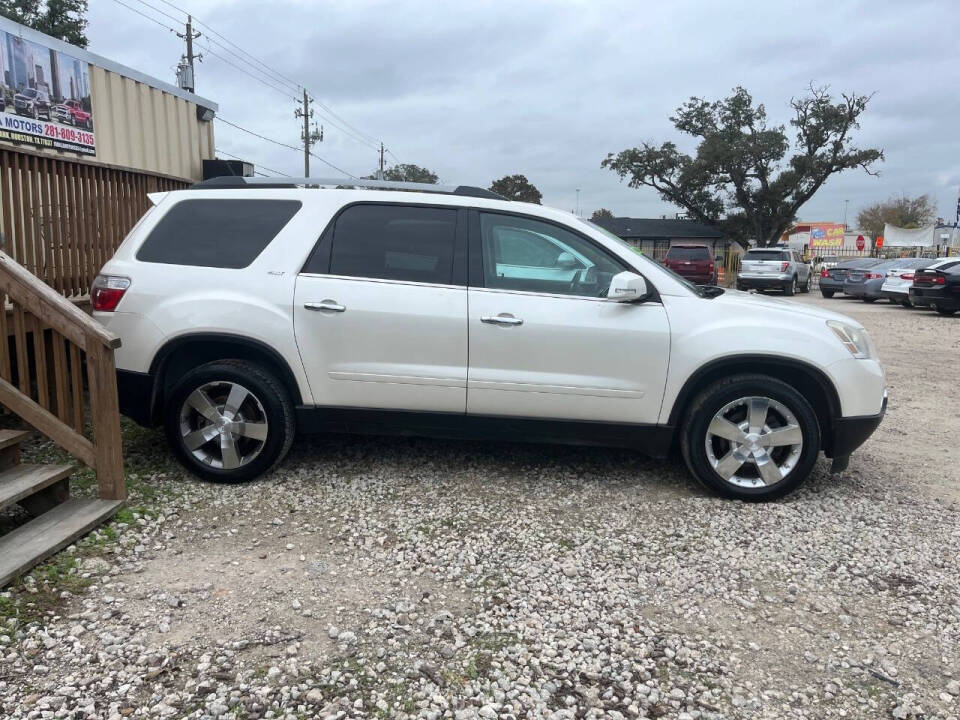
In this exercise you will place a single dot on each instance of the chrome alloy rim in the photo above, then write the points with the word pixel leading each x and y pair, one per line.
pixel 754 442
pixel 223 425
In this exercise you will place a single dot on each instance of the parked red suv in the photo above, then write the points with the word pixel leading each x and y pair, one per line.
pixel 693 262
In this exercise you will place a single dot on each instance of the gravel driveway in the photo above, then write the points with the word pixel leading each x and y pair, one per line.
pixel 382 577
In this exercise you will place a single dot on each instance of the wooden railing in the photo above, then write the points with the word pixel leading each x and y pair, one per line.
pixel 46 344
pixel 63 218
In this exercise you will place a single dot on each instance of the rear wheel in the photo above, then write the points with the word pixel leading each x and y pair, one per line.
pixel 229 420
pixel 806 285
pixel 750 437
pixel 906 303
pixel 827 293
pixel 791 287
pixel 868 299
pixel 944 311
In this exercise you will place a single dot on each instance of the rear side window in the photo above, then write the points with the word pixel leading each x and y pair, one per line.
pixel 688 253
pixel 395 242
pixel 766 255
pixel 216 233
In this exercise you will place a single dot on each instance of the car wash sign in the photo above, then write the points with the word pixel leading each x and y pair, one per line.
pixel 44 97
pixel 826 236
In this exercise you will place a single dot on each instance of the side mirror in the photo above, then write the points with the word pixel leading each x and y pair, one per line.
pixel 567 261
pixel 628 287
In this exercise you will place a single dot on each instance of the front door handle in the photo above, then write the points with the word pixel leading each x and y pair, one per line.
pixel 331 305
pixel 501 319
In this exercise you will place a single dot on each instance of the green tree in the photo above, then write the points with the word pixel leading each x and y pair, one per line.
pixel 601 213
pixel 63 19
pixel 903 211
pixel 740 180
pixel 410 173
pixel 516 187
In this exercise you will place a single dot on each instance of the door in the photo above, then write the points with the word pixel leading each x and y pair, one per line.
pixel 547 345
pixel 380 310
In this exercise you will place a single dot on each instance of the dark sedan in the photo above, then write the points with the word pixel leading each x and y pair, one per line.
pixel 831 279
pixel 940 289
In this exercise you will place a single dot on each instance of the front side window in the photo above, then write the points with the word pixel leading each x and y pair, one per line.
pixel 216 233
pixel 529 255
pixel 395 242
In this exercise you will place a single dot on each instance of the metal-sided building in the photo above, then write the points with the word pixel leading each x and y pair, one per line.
pixel 83 140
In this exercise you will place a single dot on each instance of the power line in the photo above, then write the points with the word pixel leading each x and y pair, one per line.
pixel 263 167
pixel 283 144
pixel 158 10
pixel 283 91
pixel 143 14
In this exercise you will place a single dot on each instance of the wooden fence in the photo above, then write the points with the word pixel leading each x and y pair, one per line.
pixel 62 219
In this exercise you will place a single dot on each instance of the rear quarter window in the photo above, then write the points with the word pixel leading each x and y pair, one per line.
pixel 226 234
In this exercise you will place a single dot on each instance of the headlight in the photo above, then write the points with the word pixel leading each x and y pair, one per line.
pixel 856 340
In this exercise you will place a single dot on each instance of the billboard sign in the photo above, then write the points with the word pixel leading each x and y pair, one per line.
pixel 44 97
pixel 826 235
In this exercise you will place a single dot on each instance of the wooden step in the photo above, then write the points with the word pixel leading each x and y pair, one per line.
pixel 21 481
pixel 13 437
pixel 40 538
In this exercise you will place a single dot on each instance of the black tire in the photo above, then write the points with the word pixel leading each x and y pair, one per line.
pixel 806 286
pixel 944 311
pixel 693 437
pixel 906 303
pixel 827 293
pixel 791 287
pixel 274 401
pixel 868 299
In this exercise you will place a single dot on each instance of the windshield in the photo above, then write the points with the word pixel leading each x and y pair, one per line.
pixel 766 255
pixel 680 252
pixel 30 92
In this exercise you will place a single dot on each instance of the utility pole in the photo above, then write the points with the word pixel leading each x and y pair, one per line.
pixel 309 137
pixel 380 177
pixel 185 74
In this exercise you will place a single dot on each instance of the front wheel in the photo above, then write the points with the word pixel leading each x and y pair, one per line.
pixel 750 437
pixel 827 293
pixel 229 420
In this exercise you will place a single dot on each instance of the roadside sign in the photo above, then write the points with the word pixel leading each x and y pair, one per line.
pixel 879 241
pixel 861 243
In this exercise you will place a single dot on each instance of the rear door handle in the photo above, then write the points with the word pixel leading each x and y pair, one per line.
pixel 331 305
pixel 501 319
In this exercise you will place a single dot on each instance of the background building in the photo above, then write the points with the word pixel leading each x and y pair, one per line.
pixel 82 141
pixel 653 237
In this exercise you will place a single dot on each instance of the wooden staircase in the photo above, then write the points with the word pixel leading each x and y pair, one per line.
pixel 47 348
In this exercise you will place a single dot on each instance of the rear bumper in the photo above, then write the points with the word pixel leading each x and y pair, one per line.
pixel 763 281
pixel 939 297
pixel 849 433
pixel 136 394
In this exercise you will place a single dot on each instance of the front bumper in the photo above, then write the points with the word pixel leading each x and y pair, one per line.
pixel 849 433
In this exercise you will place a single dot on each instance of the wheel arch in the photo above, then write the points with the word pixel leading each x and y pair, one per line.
pixel 185 352
pixel 807 379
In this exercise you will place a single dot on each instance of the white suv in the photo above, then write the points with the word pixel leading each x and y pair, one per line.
pixel 250 311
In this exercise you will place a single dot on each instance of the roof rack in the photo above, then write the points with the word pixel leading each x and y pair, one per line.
pixel 230 182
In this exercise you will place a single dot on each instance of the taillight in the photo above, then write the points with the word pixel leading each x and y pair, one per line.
pixel 711 266
pixel 872 276
pixel 907 276
pixel 825 273
pixel 784 266
pixel 939 280
pixel 107 292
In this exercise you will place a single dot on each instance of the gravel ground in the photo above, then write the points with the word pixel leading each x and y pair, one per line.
pixel 378 577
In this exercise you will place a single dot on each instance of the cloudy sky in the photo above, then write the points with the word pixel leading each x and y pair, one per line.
pixel 478 90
